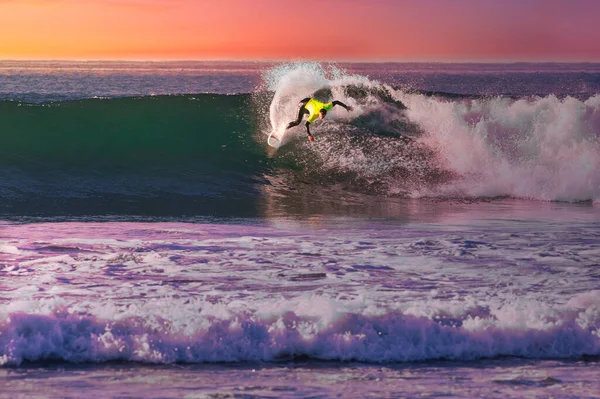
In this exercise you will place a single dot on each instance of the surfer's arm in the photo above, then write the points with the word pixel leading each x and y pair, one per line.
pixel 336 102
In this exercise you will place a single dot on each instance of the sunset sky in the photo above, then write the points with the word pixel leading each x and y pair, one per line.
pixel 362 30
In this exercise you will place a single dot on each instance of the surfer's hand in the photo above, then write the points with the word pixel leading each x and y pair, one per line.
pixel 349 108
pixel 311 138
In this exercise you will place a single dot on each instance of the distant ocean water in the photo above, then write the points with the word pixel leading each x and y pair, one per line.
pixel 441 239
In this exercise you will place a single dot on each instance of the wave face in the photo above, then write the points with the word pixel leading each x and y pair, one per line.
pixel 144 155
pixel 206 154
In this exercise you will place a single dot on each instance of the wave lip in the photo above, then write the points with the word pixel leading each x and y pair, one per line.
pixel 233 333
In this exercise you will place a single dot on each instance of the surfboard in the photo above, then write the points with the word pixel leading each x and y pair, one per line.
pixel 275 139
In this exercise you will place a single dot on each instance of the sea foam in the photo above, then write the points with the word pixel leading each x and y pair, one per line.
pixel 540 148
pixel 309 326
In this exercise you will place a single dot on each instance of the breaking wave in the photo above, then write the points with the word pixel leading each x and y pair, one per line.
pixel 402 143
pixel 314 327
pixel 207 153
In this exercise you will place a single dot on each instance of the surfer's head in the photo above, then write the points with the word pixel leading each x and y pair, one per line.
pixel 322 113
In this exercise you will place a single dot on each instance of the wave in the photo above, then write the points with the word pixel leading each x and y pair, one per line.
pixel 207 153
pixel 314 327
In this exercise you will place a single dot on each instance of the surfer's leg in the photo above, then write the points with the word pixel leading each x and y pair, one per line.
pixel 310 137
pixel 301 112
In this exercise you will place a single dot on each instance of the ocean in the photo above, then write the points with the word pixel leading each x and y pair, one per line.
pixel 440 239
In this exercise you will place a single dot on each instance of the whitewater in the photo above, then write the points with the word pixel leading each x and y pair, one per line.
pixel 441 239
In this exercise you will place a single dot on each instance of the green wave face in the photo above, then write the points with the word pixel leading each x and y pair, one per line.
pixel 128 132
pixel 150 155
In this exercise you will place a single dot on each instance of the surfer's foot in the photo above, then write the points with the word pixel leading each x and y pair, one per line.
pixel 311 138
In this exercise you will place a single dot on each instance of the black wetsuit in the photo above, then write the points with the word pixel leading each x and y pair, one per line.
pixel 302 111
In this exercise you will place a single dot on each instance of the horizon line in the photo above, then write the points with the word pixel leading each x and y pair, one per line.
pixel 300 60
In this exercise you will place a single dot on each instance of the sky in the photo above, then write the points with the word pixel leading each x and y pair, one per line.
pixel 337 30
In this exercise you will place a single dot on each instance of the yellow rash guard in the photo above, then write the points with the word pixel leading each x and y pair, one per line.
pixel 314 107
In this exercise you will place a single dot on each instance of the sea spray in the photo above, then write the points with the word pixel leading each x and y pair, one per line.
pixel 293 82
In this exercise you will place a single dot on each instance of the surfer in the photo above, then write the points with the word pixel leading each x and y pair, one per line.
pixel 315 110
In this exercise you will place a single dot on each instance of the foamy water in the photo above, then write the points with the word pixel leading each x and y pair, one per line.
pixel 216 293
pixel 541 148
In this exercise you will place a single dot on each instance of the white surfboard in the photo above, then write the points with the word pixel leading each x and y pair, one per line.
pixel 275 139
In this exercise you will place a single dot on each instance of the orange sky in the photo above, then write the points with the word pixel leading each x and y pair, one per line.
pixel 397 30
